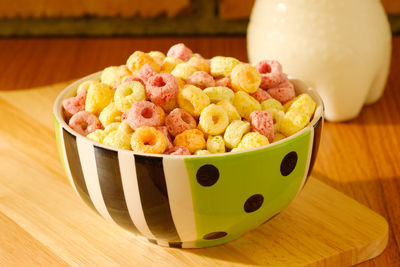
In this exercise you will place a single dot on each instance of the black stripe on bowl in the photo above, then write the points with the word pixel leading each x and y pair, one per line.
pixel 154 198
pixel 75 167
pixel 111 187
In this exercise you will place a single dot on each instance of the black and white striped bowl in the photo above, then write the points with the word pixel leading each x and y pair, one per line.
pixel 187 201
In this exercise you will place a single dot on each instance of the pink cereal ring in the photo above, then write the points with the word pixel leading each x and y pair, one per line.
pixel 165 132
pixel 178 150
pixel 201 79
pixel 143 113
pixel 178 121
pixel 162 88
pixel 271 73
pixel 146 72
pixel 180 51
pixel 283 92
pixel 261 95
pixel 225 81
pixel 84 122
pixel 262 122
pixel 75 104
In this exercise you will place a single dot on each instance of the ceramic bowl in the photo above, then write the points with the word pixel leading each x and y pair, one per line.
pixel 188 201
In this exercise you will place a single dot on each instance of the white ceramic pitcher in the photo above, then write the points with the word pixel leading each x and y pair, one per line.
pixel 341 48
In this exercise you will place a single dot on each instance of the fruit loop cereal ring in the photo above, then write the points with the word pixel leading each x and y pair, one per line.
pixel 178 150
pixel 113 75
pixel 305 103
pixel 213 120
pixel 270 104
pixel 170 63
pixel 124 127
pixel 75 104
pixel 278 137
pixel 179 120
pixel 201 79
pixel 192 99
pixel 261 95
pixel 85 86
pixel 162 114
pixel 252 140
pixel 219 93
pixel 245 104
pixel 199 63
pixel 284 92
pixel 202 152
pixel 162 88
pixel 180 51
pixel 233 114
pixel 216 144
pixel 132 79
pixel 234 133
pixel 183 71
pixel 146 72
pixel 148 140
pixel 143 113
pixel 138 59
pixel 262 122
pixel 222 66
pixel 157 56
pixel 271 73
pixel 110 114
pixel 128 93
pixel 98 96
pixel 112 127
pixel 294 121
pixel 84 122
pixel 245 78
pixel 192 139
pixel 165 132
pixel 225 81
pixel 118 139
pixel 97 136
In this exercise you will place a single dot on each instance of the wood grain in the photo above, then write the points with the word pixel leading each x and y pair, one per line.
pixel 359 157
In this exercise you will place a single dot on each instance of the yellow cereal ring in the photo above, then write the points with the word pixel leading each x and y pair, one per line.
pixel 85 85
pixel 305 103
pixel 245 104
pixel 192 99
pixel 181 82
pixel 97 136
pixel 138 59
pixel 219 93
pixel 148 140
pixel 272 104
pixel 294 121
pixel 110 114
pixel 252 140
pixel 112 127
pixel 287 105
pixel 215 144
pixel 213 120
pixel 118 139
pixel 234 133
pixel 114 75
pixel 199 63
pixel 127 93
pixel 99 95
pixel 222 66
pixel 202 152
pixel 162 115
pixel 192 139
pixel 183 71
pixel 170 63
pixel 157 56
pixel 245 78
pixel 233 114
pixel 124 127
pixel 278 136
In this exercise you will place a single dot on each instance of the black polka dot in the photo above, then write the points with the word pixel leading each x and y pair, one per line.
pixel 207 175
pixel 214 235
pixel 253 203
pixel 288 163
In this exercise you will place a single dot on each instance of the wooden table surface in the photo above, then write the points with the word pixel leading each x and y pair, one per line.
pixel 360 158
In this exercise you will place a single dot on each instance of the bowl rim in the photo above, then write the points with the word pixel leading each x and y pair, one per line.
pixel 66 92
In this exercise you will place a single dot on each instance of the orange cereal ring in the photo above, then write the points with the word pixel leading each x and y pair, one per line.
pixel 138 59
pixel 148 140
pixel 192 139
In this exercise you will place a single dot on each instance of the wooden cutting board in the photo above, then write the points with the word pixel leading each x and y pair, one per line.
pixel 44 223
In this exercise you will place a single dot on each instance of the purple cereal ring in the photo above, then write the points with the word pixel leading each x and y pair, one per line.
pixel 283 92
pixel 84 122
pixel 178 150
pixel 271 73
pixel 75 104
pixel 162 88
pixel 178 121
pixel 143 113
pixel 165 132
pixel 201 79
pixel 261 95
pixel 262 122
pixel 180 51
pixel 145 72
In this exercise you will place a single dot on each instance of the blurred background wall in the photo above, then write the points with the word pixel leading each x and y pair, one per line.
pixel 134 17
